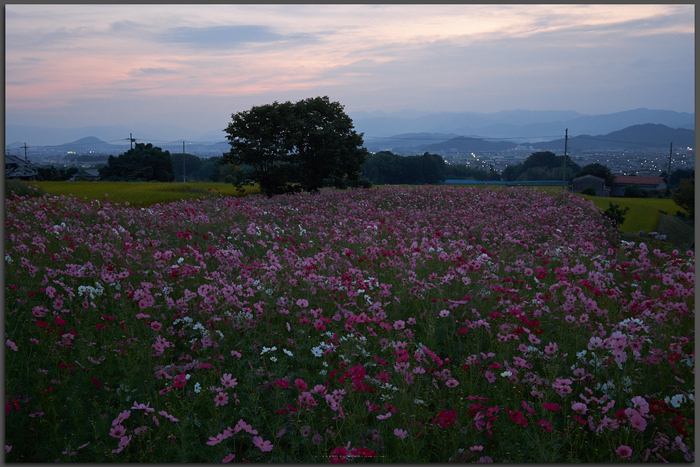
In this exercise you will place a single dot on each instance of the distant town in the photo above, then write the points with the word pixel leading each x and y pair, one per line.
pixel 641 162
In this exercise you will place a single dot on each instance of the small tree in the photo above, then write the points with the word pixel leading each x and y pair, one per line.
pixel 293 147
pixel 615 214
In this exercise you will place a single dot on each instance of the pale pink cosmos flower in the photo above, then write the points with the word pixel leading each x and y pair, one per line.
pixel 121 417
pixel 263 445
pixel 117 432
pixel 228 459
pixel 551 348
pixel 452 383
pixel 641 404
pixel 124 441
pixel 146 407
pixel 228 381
pixel 302 303
pixel 579 407
pixel 400 433
pixel 11 345
pixel 490 377
pixel 476 448
pixel 638 422
pixel 214 440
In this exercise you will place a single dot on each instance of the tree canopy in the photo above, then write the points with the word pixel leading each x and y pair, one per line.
pixel 143 162
pixel 386 167
pixel 291 147
pixel 543 165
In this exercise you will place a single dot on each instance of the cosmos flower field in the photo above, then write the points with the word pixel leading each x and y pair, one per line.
pixel 415 324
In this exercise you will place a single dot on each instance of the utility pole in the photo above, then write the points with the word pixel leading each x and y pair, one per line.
pixel 25 151
pixel 183 162
pixel 131 140
pixel 670 155
pixel 563 168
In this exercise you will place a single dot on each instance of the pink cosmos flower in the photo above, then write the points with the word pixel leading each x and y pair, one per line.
pixel 227 381
pixel 638 422
pixel 221 399
pixel 545 425
pixel 551 348
pixel 551 406
pixel 264 446
pixel 117 432
pixel 180 380
pixel 156 326
pixel 228 459
pixel 121 417
pixel 490 377
pixel 124 441
pixel 400 433
pixel 302 303
pixel 214 440
pixel 624 451
pixel 579 407
pixel 11 345
pixel 300 384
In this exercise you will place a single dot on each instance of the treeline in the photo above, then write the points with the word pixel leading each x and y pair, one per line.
pixel 542 166
pixel 52 174
pixel 145 163
pixel 387 168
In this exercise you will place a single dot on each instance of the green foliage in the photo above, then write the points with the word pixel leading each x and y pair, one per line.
pixel 21 188
pixel 588 191
pixel 51 174
pixel 680 174
pixel 543 165
pixel 386 167
pixel 598 170
pixel 685 196
pixel 192 165
pixel 142 163
pixel 634 191
pixel 615 214
pixel 463 172
pixel 328 151
pixel 293 147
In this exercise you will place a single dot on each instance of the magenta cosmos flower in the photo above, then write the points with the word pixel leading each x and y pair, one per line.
pixel 624 451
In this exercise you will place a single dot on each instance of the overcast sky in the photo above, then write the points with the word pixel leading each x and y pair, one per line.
pixel 193 66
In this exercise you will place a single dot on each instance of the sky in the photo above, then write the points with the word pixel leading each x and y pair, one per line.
pixel 195 65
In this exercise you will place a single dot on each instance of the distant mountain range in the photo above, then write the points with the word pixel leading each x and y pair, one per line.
pixel 405 131
pixel 515 125
pixel 634 137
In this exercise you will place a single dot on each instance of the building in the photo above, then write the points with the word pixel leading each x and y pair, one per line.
pixel 90 175
pixel 590 181
pixel 645 183
pixel 16 168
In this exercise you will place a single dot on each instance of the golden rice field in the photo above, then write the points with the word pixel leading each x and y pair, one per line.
pixel 643 213
pixel 142 193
